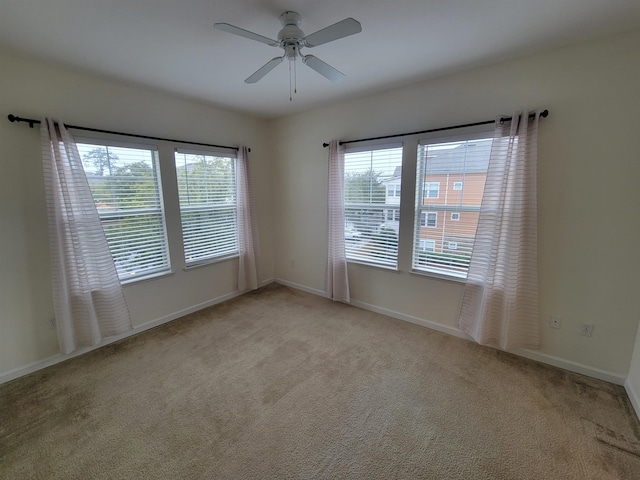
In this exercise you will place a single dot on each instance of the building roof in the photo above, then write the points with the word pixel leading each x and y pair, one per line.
pixel 470 157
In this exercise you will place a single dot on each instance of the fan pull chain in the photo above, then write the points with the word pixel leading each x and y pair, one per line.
pixel 295 75
pixel 290 95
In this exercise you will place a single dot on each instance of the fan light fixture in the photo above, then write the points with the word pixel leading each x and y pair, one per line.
pixel 291 39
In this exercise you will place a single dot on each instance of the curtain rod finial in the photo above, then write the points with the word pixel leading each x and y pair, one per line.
pixel 12 118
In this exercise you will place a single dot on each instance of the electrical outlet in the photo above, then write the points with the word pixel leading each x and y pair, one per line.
pixel 586 330
pixel 52 323
pixel 555 321
pixel 293 263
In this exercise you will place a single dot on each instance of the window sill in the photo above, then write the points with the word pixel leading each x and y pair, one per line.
pixel 379 266
pixel 209 261
pixel 440 275
pixel 145 278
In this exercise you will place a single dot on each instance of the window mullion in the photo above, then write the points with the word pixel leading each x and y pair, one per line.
pixel 407 203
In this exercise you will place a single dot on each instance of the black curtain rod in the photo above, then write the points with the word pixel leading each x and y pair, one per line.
pixel 544 114
pixel 31 122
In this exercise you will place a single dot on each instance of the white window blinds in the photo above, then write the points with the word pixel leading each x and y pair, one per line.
pixel 207 191
pixel 449 187
pixel 125 184
pixel 372 186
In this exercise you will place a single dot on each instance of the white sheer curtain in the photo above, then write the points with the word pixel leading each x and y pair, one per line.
pixel 248 244
pixel 88 300
pixel 500 303
pixel 337 278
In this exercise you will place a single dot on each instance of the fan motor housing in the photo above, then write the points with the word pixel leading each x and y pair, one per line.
pixel 290 18
pixel 290 32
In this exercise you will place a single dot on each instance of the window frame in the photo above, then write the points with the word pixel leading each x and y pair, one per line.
pixel 425 223
pixel 465 135
pixel 426 242
pixel 115 142
pixel 425 189
pixel 385 207
pixel 208 207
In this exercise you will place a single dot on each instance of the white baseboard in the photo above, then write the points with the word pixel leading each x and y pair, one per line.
pixel 47 362
pixel 314 291
pixel 408 318
pixel 533 355
pixel 266 282
pixel 575 367
pixel 634 396
pixel 569 365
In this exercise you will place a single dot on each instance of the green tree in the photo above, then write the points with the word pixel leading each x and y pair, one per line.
pixel 360 188
pixel 134 185
pixel 100 158
pixel 206 186
pixel 126 186
pixel 364 187
pixel 206 180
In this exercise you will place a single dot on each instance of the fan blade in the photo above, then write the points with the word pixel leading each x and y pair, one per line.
pixel 246 34
pixel 342 29
pixel 323 69
pixel 266 68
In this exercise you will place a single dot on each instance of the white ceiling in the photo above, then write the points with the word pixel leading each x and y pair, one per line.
pixel 171 45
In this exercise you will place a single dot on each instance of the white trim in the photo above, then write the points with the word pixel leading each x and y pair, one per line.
pixel 215 152
pixel 297 286
pixel 47 362
pixel 569 365
pixel 381 266
pixel 266 282
pixel 634 396
pixel 576 367
pixel 426 189
pixel 618 379
pixel 530 354
pixel 210 261
pixel 425 224
pixel 415 320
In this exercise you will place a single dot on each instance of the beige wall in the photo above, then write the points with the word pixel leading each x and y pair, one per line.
pixel 31 89
pixel 589 197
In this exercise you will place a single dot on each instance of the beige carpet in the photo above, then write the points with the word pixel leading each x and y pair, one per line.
pixel 280 384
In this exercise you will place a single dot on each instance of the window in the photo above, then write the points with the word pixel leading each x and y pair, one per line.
pixel 431 190
pixel 125 184
pixel 458 163
pixel 207 192
pixel 429 219
pixel 367 198
pixel 427 245
pixel 393 191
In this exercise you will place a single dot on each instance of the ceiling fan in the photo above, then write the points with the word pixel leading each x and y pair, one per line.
pixel 291 39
